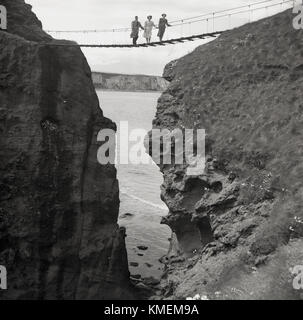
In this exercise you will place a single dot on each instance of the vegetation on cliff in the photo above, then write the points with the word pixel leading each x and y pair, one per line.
pixel 236 228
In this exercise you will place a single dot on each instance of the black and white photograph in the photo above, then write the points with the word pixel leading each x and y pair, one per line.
pixel 151 152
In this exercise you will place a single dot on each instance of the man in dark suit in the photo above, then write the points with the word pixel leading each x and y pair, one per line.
pixel 136 25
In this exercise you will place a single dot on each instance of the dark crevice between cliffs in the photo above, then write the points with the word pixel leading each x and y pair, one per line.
pixel 89 130
pixel 54 193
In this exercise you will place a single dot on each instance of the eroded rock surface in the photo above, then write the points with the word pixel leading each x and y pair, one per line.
pixel 236 228
pixel 59 237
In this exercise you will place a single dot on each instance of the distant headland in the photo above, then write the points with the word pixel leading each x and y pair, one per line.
pixel 125 82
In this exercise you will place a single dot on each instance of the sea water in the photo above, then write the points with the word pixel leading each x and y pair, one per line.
pixel 141 208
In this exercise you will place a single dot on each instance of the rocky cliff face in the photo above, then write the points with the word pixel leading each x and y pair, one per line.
pixel 124 82
pixel 237 228
pixel 59 237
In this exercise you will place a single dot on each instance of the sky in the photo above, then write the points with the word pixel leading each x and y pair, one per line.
pixel 105 14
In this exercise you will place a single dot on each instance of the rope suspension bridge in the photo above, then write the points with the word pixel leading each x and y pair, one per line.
pixel 152 44
pixel 204 26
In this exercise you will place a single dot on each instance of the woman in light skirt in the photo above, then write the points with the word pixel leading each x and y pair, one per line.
pixel 148 29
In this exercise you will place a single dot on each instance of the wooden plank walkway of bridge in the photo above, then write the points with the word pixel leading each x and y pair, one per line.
pixel 141 45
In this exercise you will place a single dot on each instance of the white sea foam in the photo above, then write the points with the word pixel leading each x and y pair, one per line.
pixel 161 207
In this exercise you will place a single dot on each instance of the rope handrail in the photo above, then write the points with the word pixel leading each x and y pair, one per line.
pixel 235 13
pixel 227 10
pixel 184 21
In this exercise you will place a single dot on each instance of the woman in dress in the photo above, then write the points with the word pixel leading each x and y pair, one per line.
pixel 163 23
pixel 148 29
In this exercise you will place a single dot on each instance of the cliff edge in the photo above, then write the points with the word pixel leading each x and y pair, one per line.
pixel 59 237
pixel 237 228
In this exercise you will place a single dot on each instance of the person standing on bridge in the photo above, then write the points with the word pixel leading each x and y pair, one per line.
pixel 148 29
pixel 136 25
pixel 163 23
